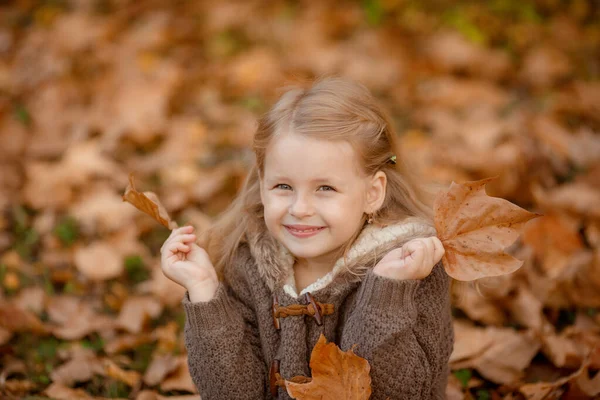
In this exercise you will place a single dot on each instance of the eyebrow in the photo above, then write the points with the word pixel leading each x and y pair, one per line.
pixel 318 180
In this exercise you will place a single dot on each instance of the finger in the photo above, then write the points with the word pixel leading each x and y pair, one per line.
pixel 414 245
pixel 418 256
pixel 185 238
pixel 430 245
pixel 176 232
pixel 175 247
pixel 439 249
pixel 183 247
pixel 430 251
pixel 183 229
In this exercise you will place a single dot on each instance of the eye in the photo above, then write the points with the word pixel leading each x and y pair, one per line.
pixel 329 188
pixel 282 186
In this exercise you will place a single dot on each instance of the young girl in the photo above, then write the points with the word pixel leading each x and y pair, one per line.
pixel 328 236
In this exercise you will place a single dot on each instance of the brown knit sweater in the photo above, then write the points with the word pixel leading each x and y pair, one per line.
pixel 403 328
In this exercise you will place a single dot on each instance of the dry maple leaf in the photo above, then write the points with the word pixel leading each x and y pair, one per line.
pixel 475 229
pixel 148 202
pixel 335 374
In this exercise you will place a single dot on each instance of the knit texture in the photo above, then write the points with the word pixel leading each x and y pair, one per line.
pixel 403 328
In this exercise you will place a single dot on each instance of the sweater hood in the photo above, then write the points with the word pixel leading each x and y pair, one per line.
pixel 275 263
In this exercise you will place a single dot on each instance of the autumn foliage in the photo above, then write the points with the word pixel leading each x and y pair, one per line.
pixel 92 91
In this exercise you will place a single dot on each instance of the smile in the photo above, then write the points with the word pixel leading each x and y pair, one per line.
pixel 304 233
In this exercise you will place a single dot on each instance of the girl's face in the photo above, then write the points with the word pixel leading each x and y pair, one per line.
pixel 314 195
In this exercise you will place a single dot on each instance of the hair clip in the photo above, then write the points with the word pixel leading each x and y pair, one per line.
pixel 392 159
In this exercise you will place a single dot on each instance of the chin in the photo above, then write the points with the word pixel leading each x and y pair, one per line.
pixel 302 252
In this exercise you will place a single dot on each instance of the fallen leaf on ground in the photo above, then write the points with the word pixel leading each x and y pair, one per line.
pixel 500 354
pixel 131 378
pixel 180 379
pixel 126 342
pixel 580 386
pixel 136 311
pixel 62 392
pixel 81 368
pixel 75 318
pixel 475 229
pixel 161 366
pixel 15 319
pixel 99 261
pixel 152 395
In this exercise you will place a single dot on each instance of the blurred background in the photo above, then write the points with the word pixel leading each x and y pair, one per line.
pixel 92 90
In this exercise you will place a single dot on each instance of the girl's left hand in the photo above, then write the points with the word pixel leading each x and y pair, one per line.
pixel 414 260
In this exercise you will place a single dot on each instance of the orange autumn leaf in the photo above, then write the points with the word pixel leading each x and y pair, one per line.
pixel 475 229
pixel 148 202
pixel 335 374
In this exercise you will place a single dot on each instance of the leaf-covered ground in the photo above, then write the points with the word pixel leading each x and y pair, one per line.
pixel 170 90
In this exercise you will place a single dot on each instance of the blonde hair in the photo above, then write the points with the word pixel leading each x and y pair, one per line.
pixel 332 108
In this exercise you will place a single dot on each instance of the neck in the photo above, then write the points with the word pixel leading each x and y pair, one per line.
pixel 315 265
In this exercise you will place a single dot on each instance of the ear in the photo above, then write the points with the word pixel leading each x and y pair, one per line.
pixel 376 187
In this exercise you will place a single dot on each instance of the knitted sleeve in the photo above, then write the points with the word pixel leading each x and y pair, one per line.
pixel 404 329
pixel 221 338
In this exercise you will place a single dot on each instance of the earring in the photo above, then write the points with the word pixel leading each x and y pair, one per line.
pixel 369 218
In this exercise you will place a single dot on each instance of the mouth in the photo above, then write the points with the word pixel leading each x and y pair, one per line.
pixel 303 231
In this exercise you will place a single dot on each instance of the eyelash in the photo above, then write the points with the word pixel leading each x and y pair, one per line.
pixel 284 184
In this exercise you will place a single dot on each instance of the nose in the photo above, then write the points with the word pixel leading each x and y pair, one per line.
pixel 301 207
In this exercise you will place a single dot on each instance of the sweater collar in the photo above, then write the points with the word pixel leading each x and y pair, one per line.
pixel 275 262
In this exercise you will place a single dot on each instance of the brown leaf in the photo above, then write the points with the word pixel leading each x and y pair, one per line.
pixel 136 311
pixel 499 354
pixel 18 386
pixel 81 368
pixel 153 395
pixel 335 374
pixel 131 378
pixel 180 379
pixel 148 202
pixel 580 387
pixel 32 299
pixel 554 238
pixel 15 319
pixel 479 308
pixel 475 228
pixel 563 351
pixel 75 318
pixel 5 336
pixel 166 337
pixel 99 261
pixel 126 342
pixel 580 198
pixel 60 391
pixel 161 366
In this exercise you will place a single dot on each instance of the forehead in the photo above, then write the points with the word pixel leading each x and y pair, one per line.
pixel 300 157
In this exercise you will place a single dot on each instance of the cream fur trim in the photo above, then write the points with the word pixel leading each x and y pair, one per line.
pixel 370 239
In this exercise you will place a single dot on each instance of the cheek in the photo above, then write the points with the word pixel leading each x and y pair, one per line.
pixel 342 213
pixel 275 208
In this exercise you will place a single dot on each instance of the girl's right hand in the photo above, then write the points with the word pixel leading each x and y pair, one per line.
pixel 188 264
